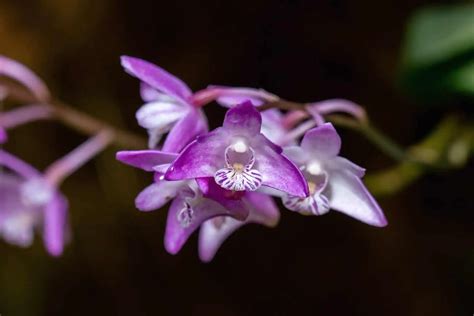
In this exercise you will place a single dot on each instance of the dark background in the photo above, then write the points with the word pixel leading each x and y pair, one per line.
pixel 421 264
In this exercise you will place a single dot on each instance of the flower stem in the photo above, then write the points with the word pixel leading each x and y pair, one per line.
pixel 384 143
pixel 89 125
pixel 81 122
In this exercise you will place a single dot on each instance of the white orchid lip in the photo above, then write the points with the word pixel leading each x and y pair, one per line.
pixel 238 175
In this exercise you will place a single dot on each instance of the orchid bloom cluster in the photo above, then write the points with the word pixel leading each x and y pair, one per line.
pixel 222 179
pixel 30 201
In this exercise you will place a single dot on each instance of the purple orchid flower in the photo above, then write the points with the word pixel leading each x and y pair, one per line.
pixel 172 106
pixel 334 182
pixel 191 204
pixel 30 200
pixel 239 157
pixel 28 203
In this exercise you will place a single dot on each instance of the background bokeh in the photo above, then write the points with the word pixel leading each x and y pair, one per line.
pixel 421 264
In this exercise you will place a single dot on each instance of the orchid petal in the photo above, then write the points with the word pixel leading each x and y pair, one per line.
pixel 341 163
pixel 148 93
pixel 272 125
pixel 296 154
pixel 186 130
pixel 264 211
pixel 3 136
pixel 55 225
pixel 347 194
pixel 230 96
pixel 157 78
pixel 20 73
pixel 160 114
pixel 157 194
pixel 201 158
pixel 180 227
pixel 280 173
pixel 322 141
pixel 231 200
pixel 17 165
pixel 243 118
pixel 145 159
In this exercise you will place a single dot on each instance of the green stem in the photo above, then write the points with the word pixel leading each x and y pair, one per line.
pixel 383 142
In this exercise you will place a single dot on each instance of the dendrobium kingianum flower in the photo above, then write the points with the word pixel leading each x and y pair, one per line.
pixel 193 201
pixel 239 157
pixel 31 201
pixel 172 107
pixel 334 182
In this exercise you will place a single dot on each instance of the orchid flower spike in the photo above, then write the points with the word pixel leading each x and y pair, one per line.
pixel 239 157
pixel 334 182
pixel 30 200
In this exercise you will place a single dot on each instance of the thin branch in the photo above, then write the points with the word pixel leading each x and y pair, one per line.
pixel 383 142
pixel 81 122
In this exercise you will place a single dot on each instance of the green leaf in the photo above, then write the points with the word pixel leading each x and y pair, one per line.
pixel 438 55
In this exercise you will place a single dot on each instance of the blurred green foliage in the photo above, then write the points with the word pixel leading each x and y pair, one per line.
pixel 438 55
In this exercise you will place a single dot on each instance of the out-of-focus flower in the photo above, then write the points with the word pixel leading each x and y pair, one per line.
pixel 334 182
pixel 3 135
pixel 239 157
pixel 18 72
pixel 30 200
pixel 14 70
